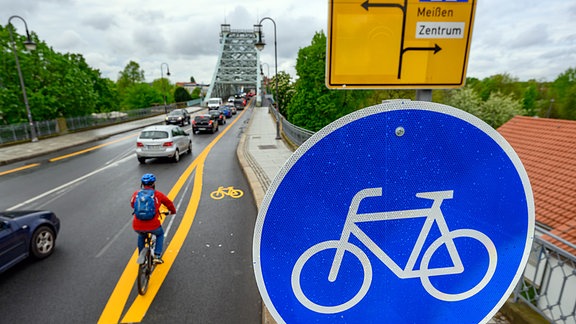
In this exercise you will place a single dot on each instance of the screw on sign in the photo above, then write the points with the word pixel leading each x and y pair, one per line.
pixel 409 204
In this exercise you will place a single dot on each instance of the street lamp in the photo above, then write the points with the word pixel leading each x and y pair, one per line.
pixel 550 108
pixel 30 46
pixel 260 45
pixel 162 78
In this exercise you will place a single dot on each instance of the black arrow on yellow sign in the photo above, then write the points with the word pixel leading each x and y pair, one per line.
pixel 436 49
pixel 366 5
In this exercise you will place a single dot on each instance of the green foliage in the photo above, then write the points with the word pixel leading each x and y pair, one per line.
pixel 495 111
pixel 196 93
pixel 503 83
pixel 141 95
pixel 131 75
pixel 165 89
pixel 313 105
pixel 56 84
pixel 285 93
pixel 530 98
pixel 499 108
pixel 465 99
pixel 181 95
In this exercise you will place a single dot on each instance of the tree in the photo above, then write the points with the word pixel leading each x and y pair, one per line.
pixel 196 93
pixel 192 80
pixel 142 95
pixel 131 75
pixel 503 83
pixel 284 94
pixel 499 108
pixel 530 98
pixel 313 105
pixel 164 87
pixel 57 85
pixel 466 99
pixel 181 95
pixel 562 91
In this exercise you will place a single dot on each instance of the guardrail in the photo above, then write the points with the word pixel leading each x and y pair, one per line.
pixel 549 284
pixel 16 133
pixel 294 134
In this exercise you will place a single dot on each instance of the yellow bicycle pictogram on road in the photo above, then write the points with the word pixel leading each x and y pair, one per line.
pixel 226 191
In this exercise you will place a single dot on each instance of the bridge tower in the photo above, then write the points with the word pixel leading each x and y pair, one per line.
pixel 237 66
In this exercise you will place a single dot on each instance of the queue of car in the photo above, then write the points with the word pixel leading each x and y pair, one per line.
pixel 170 141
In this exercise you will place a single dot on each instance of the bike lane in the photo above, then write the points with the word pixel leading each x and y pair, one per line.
pixel 119 298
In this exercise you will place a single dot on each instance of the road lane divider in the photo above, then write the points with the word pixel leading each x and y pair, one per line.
pixel 19 168
pixel 119 298
pixel 91 148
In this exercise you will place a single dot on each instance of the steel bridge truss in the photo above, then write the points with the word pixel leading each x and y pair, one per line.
pixel 238 64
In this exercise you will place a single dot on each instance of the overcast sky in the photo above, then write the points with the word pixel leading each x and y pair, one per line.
pixel 527 39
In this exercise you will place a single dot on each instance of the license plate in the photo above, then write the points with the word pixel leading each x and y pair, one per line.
pixel 202 128
pixel 153 147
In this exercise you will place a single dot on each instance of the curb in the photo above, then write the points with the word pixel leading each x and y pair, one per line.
pixel 255 176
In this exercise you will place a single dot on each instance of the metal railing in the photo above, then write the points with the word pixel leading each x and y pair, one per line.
pixel 549 283
pixel 15 133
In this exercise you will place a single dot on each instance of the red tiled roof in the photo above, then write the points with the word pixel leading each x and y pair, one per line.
pixel 547 148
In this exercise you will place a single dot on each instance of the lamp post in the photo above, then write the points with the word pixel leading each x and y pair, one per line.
pixel 265 80
pixel 260 45
pixel 30 46
pixel 550 108
pixel 162 78
pixel 267 68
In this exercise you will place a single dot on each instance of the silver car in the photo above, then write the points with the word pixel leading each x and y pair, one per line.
pixel 162 141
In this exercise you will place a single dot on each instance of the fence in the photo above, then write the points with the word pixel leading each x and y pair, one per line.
pixel 15 133
pixel 549 284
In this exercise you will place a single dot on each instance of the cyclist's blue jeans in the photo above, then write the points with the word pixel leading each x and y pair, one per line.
pixel 159 233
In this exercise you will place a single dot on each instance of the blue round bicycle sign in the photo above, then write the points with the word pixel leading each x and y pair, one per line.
pixel 404 212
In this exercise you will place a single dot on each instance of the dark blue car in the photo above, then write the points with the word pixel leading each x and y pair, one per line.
pixel 226 111
pixel 24 233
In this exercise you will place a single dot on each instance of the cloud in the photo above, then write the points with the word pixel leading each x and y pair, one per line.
pixel 526 38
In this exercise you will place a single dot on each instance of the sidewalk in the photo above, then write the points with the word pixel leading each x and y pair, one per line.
pixel 15 153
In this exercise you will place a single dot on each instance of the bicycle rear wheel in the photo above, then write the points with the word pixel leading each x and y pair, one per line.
pixel 144 271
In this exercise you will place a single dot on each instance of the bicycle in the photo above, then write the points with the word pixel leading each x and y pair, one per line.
pixel 226 191
pixel 146 260
pixel 432 215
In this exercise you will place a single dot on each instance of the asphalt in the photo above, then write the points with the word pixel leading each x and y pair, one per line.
pixel 260 154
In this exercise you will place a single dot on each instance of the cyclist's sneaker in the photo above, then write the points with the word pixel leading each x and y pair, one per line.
pixel 158 260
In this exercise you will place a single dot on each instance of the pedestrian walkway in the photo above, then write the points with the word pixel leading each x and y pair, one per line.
pixel 15 153
pixel 261 155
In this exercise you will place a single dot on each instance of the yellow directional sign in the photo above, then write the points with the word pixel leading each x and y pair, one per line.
pixel 406 44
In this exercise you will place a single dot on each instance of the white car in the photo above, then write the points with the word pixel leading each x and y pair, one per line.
pixel 214 103
pixel 162 141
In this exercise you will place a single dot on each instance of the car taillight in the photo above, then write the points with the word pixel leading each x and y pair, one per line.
pixel 194 122
pixel 138 144
pixel 168 144
pixel 210 122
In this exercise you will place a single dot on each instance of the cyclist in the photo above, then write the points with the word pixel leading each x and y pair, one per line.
pixel 153 225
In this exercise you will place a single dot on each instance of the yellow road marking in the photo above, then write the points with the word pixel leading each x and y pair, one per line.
pixel 20 168
pixel 91 148
pixel 141 304
pixel 117 301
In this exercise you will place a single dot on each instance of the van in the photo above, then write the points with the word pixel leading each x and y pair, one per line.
pixel 214 103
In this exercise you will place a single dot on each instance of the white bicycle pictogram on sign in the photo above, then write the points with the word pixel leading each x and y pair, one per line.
pixel 432 215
